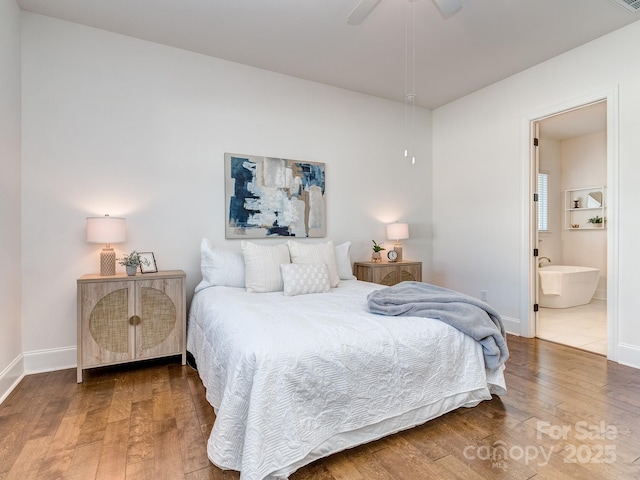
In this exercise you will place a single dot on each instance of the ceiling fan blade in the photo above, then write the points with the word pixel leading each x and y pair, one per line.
pixel 361 11
pixel 448 7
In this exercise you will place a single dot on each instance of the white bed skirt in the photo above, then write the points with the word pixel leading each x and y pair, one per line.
pixel 370 433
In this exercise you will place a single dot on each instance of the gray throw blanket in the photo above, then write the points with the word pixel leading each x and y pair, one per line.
pixel 468 314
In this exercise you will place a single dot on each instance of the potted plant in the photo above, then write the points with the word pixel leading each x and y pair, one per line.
pixel 596 221
pixel 375 256
pixel 132 261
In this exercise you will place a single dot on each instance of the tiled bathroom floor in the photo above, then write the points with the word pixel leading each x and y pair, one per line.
pixel 583 327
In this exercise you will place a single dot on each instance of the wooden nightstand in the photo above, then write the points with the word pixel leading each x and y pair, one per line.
pixel 386 273
pixel 124 319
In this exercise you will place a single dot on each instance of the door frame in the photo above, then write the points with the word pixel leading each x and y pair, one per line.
pixel 529 212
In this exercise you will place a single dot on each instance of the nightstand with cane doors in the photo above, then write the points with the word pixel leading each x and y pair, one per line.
pixel 388 273
pixel 129 318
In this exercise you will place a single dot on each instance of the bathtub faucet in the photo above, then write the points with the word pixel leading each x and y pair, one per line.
pixel 543 258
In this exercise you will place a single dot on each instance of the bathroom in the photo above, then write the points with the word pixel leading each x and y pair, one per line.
pixel 573 162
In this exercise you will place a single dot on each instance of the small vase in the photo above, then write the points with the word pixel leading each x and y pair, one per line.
pixel 131 270
pixel 375 257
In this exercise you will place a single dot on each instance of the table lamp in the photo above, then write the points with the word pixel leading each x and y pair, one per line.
pixel 106 230
pixel 398 231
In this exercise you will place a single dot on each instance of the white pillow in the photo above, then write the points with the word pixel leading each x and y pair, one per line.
pixel 220 266
pixel 303 278
pixel 343 261
pixel 316 253
pixel 262 266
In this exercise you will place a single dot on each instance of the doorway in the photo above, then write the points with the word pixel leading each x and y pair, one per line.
pixel 577 150
pixel 571 230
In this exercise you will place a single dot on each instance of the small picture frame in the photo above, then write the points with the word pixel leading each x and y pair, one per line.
pixel 150 265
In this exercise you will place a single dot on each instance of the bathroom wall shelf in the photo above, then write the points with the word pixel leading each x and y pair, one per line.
pixel 581 204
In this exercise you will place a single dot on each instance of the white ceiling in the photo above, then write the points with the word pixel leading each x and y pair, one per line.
pixel 486 41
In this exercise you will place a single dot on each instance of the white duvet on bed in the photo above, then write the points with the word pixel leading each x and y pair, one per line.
pixel 296 378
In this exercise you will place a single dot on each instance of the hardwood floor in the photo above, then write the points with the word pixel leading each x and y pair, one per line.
pixel 567 414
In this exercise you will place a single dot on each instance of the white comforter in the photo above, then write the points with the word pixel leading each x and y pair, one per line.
pixel 290 375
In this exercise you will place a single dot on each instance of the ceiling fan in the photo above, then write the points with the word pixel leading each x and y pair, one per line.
pixel 365 7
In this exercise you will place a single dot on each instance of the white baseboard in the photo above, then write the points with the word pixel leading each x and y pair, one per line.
pixel 628 355
pixel 49 360
pixel 38 361
pixel 10 377
pixel 511 325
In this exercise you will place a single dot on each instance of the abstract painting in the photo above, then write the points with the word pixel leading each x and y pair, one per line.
pixel 271 197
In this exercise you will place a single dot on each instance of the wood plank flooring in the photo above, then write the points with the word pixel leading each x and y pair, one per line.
pixel 567 414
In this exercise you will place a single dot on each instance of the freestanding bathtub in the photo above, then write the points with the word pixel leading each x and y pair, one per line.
pixel 563 286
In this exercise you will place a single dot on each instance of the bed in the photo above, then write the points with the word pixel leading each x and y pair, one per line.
pixel 293 378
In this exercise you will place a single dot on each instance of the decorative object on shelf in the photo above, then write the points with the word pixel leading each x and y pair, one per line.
pixel 149 262
pixel 106 230
pixel 268 197
pixel 375 256
pixel 132 261
pixel 594 199
pixel 398 231
pixel 585 208
pixel 596 221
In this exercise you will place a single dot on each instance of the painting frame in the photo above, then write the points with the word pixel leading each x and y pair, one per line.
pixel 274 197
pixel 152 267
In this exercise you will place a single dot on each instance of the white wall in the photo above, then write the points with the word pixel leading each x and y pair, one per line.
pixel 584 164
pixel 478 147
pixel 10 319
pixel 121 126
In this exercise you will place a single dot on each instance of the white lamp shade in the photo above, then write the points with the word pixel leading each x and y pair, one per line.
pixel 397 231
pixel 106 229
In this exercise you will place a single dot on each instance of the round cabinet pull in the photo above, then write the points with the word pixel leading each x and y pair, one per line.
pixel 134 320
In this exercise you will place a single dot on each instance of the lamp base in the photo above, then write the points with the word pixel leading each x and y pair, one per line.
pixel 107 262
pixel 398 248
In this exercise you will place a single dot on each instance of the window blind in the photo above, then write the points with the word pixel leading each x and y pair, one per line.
pixel 543 202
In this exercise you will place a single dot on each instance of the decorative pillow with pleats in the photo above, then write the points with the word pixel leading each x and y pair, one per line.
pixel 316 253
pixel 262 266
